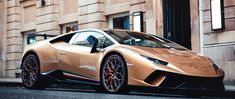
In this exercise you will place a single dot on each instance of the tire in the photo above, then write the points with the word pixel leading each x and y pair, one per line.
pixel 114 74
pixel 30 73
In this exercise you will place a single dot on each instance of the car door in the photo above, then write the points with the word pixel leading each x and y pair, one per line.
pixel 83 62
pixel 62 53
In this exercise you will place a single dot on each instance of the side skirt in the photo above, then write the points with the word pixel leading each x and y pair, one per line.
pixel 67 77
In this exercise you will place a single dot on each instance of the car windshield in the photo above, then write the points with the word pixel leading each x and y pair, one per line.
pixel 140 39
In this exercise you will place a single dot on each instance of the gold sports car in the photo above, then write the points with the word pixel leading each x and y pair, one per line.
pixel 115 59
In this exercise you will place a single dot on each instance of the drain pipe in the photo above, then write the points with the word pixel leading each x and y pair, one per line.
pixel 201 25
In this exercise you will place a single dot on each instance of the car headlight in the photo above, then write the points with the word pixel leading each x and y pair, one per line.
pixel 216 67
pixel 156 61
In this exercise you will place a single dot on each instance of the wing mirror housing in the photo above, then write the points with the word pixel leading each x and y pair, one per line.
pixel 93 41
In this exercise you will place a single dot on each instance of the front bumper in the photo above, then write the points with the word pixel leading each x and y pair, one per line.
pixel 179 81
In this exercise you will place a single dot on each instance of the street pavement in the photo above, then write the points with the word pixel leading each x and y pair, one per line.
pixel 13 89
pixel 15 93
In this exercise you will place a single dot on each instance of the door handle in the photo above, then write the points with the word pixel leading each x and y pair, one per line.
pixel 62 53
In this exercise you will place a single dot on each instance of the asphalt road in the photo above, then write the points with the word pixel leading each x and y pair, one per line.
pixel 12 93
pixel 84 92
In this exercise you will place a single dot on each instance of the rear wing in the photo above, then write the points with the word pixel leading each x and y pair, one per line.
pixel 33 38
pixel 42 35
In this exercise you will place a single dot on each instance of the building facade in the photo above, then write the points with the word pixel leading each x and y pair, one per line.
pixel 220 45
pixel 177 20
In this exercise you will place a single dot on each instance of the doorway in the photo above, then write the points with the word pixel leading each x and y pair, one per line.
pixel 176 21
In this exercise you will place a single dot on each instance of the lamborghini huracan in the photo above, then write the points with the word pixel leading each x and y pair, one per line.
pixel 115 59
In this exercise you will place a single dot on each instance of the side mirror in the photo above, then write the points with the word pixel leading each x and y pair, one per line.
pixel 93 41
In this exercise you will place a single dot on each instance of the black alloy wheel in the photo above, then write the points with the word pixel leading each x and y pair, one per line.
pixel 114 74
pixel 30 73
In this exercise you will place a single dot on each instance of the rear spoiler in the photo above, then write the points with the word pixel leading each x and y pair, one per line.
pixel 43 35
pixel 31 38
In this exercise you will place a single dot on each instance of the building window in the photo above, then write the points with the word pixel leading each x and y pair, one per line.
pixel 31 39
pixel 71 27
pixel 81 39
pixel 43 2
pixel 121 23
pixel 217 15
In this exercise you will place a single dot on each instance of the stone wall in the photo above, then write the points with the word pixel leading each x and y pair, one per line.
pixel 23 16
pixel 68 12
pixel 91 14
pixel 1 38
pixel 27 15
pixel 47 17
pixel 14 39
pixel 1 29
pixel 220 45
pixel 194 13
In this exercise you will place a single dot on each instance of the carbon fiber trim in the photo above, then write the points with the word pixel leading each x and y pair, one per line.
pixel 178 81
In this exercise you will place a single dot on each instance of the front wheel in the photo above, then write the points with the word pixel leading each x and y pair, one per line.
pixel 114 74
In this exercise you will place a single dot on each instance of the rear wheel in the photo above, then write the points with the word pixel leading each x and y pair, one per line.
pixel 114 74
pixel 30 73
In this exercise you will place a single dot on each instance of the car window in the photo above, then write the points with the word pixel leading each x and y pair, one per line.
pixel 81 40
pixel 140 39
pixel 73 38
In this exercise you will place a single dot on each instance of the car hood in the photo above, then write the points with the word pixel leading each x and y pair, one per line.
pixel 184 61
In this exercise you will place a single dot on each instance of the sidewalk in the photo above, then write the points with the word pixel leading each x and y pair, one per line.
pixel 229 88
pixel 19 81
pixel 10 80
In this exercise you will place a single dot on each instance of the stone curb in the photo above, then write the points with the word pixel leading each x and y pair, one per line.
pixel 10 80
